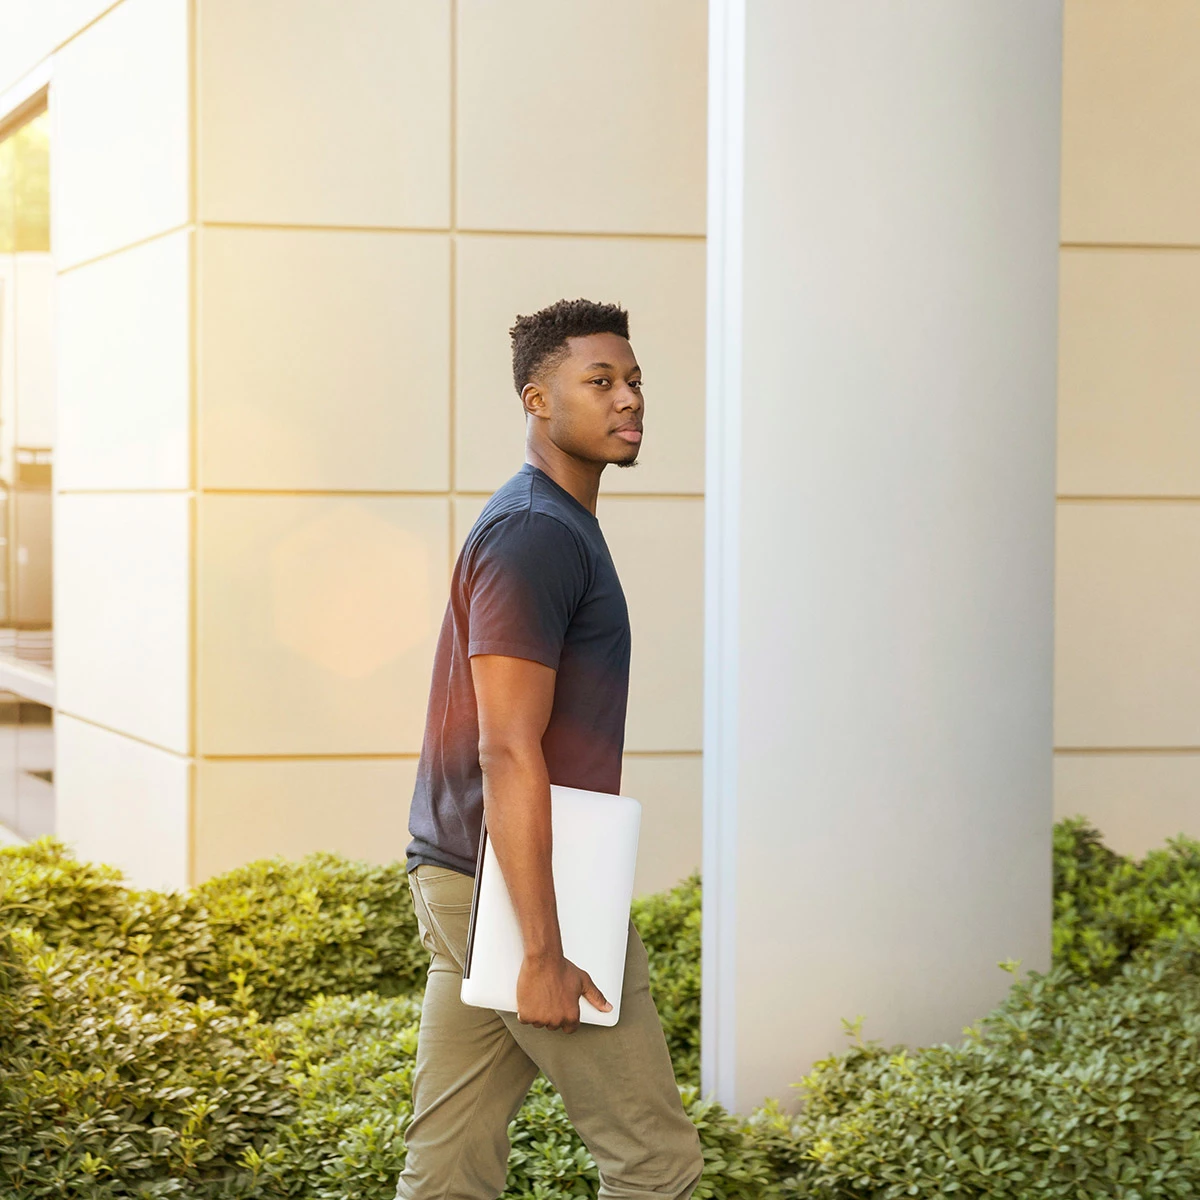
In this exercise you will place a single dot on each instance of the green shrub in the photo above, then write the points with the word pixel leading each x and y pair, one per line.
pixel 284 932
pixel 114 1085
pixel 69 903
pixel 1069 1089
pixel 123 1073
pixel 349 1061
pixel 1108 908
pixel 669 925
pixel 270 934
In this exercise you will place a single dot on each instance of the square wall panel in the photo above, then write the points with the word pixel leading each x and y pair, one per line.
pixel 121 132
pixel 582 117
pixel 1131 122
pixel 1137 801
pixel 1129 366
pixel 30 294
pixel 318 620
pixel 124 369
pixel 324 360
pixel 249 810
pixel 122 606
pixel 661 284
pixel 121 802
pixel 320 113
pixel 658 547
pixel 671 790
pixel 1127 641
pixel 26 37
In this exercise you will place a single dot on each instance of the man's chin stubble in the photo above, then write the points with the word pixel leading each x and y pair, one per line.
pixel 633 462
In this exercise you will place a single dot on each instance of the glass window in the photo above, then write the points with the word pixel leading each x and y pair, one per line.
pixel 26 463
pixel 26 766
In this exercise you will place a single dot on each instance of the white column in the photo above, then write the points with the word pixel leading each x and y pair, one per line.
pixel 883 227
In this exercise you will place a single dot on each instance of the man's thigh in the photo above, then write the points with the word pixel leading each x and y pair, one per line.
pixel 618 1086
pixel 470 1076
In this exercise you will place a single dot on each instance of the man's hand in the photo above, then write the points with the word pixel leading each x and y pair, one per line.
pixel 548 991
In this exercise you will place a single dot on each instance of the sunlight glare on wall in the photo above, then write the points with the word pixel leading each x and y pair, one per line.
pixel 350 591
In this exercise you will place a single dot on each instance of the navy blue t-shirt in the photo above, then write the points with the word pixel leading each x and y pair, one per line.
pixel 535 580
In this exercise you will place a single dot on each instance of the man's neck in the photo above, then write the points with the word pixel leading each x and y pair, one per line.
pixel 581 479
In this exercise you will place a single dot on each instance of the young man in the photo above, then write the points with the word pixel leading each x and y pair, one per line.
pixel 529 686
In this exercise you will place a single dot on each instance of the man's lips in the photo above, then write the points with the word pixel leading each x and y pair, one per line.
pixel 630 435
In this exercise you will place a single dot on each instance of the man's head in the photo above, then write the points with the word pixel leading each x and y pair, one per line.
pixel 578 380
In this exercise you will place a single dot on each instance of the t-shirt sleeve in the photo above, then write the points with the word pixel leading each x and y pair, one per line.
pixel 528 575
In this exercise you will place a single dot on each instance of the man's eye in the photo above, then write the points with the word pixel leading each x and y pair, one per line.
pixel 636 383
pixel 600 380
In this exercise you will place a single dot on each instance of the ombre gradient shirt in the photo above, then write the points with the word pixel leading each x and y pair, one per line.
pixel 535 580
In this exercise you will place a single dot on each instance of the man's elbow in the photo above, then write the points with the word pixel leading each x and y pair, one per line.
pixel 504 756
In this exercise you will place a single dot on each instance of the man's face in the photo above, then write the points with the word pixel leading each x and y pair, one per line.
pixel 593 400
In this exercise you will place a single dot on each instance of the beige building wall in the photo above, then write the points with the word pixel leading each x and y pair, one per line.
pixel 1127 666
pixel 122 217
pixel 254 233
pixel 287 269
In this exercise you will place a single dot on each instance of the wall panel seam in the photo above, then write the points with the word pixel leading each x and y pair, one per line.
pixel 398 756
pixel 430 230
pixel 188 226
pixel 692 753
pixel 123 733
pixel 1136 246
pixel 194 517
pixel 300 227
pixel 1084 498
pixel 403 755
pixel 84 28
pixel 452 366
pixel 1097 751
pixel 363 493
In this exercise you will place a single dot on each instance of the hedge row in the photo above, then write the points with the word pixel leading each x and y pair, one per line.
pixel 254 1038
pixel 269 936
pixel 1109 908
pixel 113 1084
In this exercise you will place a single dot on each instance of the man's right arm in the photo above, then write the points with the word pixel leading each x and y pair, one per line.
pixel 514 699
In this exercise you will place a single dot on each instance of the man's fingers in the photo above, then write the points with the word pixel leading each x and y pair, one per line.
pixel 593 994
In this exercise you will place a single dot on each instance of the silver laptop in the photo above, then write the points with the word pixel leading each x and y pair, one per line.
pixel 593 856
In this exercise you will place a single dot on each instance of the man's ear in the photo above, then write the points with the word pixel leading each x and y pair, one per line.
pixel 534 400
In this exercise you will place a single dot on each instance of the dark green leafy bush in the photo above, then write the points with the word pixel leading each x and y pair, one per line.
pixel 114 1085
pixel 1108 908
pixel 120 1076
pixel 349 1061
pixel 271 934
pixel 1069 1089
pixel 669 925
pixel 284 932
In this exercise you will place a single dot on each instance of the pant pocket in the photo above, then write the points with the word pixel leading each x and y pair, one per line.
pixel 423 928
pixel 426 872
pixel 443 906
pixel 444 890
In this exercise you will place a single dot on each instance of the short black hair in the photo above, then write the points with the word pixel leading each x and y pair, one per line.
pixel 541 337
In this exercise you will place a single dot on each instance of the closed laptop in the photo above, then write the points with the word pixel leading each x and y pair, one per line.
pixel 594 855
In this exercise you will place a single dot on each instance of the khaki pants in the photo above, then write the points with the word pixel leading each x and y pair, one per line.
pixel 474 1067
